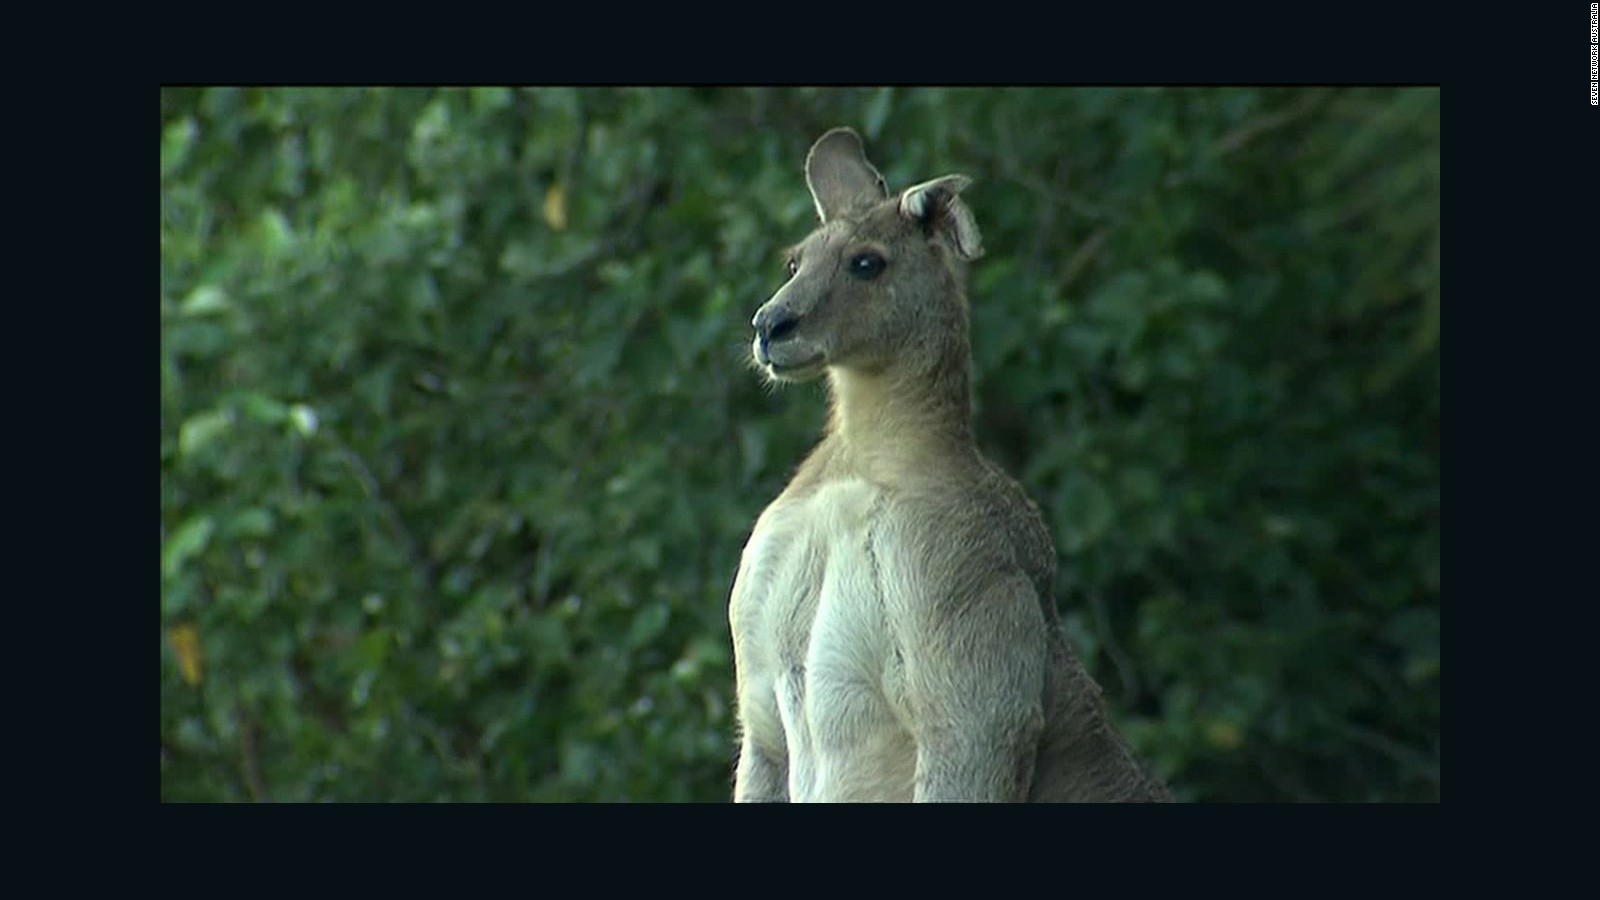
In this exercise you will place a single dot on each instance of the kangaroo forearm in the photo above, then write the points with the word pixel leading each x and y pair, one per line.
pixel 758 779
pixel 975 771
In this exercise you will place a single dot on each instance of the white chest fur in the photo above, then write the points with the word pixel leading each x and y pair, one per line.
pixel 816 657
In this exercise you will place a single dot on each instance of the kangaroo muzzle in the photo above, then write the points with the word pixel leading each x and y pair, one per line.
pixel 774 323
pixel 779 346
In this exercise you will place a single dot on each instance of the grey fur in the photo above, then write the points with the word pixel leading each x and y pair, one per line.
pixel 895 630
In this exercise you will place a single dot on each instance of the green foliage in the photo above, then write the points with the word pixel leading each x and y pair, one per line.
pixel 458 449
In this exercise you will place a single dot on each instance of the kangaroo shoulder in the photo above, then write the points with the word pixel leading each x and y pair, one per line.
pixel 965 534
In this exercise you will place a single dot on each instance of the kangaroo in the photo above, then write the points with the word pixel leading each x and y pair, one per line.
pixel 893 616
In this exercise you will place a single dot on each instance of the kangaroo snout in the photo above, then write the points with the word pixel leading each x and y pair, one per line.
pixel 774 324
pixel 779 347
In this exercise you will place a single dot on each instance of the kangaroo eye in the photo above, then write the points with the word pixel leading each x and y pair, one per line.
pixel 793 267
pixel 867 266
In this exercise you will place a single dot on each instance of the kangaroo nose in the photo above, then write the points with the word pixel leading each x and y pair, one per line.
pixel 774 324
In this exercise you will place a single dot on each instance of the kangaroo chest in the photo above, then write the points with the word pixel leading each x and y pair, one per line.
pixel 818 666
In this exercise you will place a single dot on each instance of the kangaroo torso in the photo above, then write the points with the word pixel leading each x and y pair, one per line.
pixel 835 568
pixel 811 611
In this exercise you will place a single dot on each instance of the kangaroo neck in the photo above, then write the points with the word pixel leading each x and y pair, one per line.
pixel 903 420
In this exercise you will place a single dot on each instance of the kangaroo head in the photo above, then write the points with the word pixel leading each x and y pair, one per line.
pixel 878 284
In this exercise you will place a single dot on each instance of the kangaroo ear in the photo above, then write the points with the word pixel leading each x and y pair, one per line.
pixel 937 205
pixel 839 175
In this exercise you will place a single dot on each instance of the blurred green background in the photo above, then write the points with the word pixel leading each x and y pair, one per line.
pixel 459 449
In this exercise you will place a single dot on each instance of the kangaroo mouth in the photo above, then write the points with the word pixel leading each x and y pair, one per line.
pixel 795 370
pixel 789 361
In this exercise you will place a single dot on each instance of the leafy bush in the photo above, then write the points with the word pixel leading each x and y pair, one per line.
pixel 458 449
